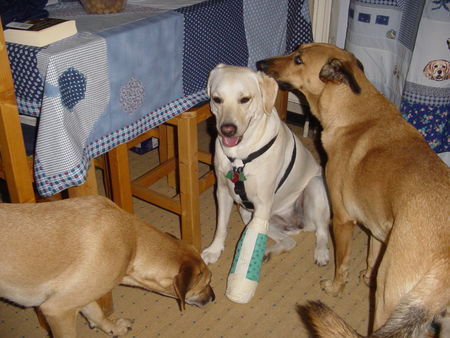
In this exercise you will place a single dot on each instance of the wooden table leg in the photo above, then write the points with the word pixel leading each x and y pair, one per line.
pixel 170 149
pixel 189 188
pixel 119 168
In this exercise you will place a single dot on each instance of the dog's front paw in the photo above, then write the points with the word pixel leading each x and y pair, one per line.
pixel 211 255
pixel 321 256
pixel 119 328
pixel 332 288
pixel 364 276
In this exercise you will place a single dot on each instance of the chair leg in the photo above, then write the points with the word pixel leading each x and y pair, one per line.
pixel 189 187
pixel 170 150
pixel 119 169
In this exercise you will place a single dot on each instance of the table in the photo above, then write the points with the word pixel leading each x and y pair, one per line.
pixel 129 72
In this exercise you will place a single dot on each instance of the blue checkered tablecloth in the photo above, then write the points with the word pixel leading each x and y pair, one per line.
pixel 126 73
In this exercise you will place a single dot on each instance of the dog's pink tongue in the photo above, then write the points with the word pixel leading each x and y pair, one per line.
pixel 230 141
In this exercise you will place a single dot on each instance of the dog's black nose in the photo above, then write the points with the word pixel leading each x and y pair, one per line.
pixel 228 129
pixel 262 65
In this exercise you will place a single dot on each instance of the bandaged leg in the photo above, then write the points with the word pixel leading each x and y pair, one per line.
pixel 245 271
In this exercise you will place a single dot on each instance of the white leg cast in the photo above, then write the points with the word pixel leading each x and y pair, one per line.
pixel 244 275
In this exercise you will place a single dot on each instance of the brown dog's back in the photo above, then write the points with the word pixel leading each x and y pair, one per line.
pixel 50 241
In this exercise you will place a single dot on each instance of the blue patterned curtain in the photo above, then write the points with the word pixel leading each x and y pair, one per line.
pixel 404 46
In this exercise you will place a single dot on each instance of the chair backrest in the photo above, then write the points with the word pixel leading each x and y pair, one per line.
pixel 14 165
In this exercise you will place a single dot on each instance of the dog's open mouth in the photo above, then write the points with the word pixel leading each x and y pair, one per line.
pixel 231 141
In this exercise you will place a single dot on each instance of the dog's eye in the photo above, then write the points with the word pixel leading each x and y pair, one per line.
pixel 298 60
pixel 245 99
pixel 217 100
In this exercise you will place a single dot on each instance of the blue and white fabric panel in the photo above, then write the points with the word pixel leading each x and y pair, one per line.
pixel 277 28
pixel 298 25
pixel 265 28
pixel 134 91
pixel 28 82
pixel 214 33
pixel 426 98
pixel 381 34
pixel 75 96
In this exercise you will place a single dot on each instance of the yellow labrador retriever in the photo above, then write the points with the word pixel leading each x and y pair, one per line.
pixel 380 173
pixel 261 165
pixel 62 256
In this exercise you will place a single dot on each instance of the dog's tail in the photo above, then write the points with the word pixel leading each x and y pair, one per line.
pixel 321 321
pixel 410 318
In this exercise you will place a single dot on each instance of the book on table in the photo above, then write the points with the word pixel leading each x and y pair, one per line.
pixel 39 32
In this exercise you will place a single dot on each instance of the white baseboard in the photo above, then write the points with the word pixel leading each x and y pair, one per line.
pixel 30 120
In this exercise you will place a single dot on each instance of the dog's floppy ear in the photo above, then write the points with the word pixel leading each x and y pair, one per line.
pixel 211 76
pixel 269 89
pixel 428 70
pixel 338 71
pixel 182 283
pixel 359 64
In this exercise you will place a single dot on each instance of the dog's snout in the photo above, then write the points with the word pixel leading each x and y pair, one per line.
pixel 263 65
pixel 228 129
pixel 206 297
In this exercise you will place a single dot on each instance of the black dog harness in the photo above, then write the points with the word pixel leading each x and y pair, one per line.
pixel 237 174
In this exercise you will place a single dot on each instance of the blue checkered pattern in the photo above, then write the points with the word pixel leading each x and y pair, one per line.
pixel 411 16
pixel 50 185
pixel 214 33
pixel 380 2
pixel 428 109
pixel 29 86
pixel 298 25
pixel 79 91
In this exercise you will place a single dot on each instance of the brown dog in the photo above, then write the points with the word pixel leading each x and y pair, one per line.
pixel 62 256
pixel 381 173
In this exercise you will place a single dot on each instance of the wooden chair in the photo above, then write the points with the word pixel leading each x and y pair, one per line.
pixel 16 167
pixel 181 158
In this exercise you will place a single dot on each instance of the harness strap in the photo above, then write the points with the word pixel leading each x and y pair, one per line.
pixel 239 187
pixel 290 166
pixel 257 153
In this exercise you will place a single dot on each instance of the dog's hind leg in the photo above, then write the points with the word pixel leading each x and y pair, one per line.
pixel 96 318
pixel 317 217
pixel 373 254
pixel 61 322
pixel 282 242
